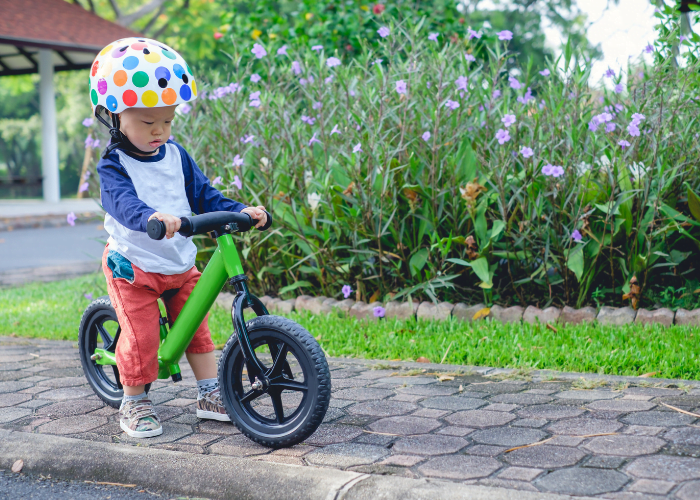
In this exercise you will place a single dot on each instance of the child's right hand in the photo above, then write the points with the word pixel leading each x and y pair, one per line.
pixel 172 223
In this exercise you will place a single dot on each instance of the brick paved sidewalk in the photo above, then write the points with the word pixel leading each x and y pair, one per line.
pixel 617 441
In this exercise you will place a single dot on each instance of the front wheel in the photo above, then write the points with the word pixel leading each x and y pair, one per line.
pixel 294 404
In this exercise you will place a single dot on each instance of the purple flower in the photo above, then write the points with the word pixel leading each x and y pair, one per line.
pixel 217 180
pixel 433 37
pixel 553 170
pixel 623 144
pixel 87 174
pixel 96 143
pixel 451 104
pixel 87 122
pixel 317 47
pixel 255 103
pixel 495 94
pixel 71 218
pixel 255 78
pixel 88 141
pixel 296 67
pixel 303 81
pixel 683 38
pixel 332 62
pixel 346 291
pixel 357 148
pixel 247 138
pixel 377 61
pixel 593 125
pixel 514 83
pixel 282 51
pixel 401 87
pixel 473 34
pixel 312 140
pixel 425 136
pixel 308 120
pixel 620 107
pixel 84 187
pixel 637 118
pixel 88 296
pixel 618 88
pixel 254 96
pixel 576 235
pixel 383 32
pixel 633 129
pixel 503 136
pixel 545 72
pixel 317 105
pixel 259 51
pixel 505 35
pixel 508 120
pixel 610 127
pixel 237 182
pixel 481 107
pixel 526 152
pixel 379 312
pixel 185 108
pixel 335 130
pixel 328 79
pixel 461 83
pixel 609 73
pixel 469 57
pixel 649 48
pixel 237 161
pixel 526 97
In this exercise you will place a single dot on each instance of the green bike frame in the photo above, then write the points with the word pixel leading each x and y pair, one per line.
pixel 225 263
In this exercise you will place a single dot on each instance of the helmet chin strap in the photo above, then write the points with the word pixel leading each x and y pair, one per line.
pixel 119 140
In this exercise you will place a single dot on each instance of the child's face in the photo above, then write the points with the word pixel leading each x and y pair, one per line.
pixel 147 128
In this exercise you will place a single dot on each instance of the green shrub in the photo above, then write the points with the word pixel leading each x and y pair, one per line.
pixel 415 194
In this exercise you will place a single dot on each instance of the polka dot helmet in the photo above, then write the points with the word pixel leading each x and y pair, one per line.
pixel 139 73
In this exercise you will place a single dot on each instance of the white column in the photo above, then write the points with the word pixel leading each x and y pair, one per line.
pixel 49 131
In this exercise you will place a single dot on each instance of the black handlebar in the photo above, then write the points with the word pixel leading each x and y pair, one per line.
pixel 212 221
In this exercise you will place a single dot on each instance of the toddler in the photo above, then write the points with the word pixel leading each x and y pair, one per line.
pixel 138 83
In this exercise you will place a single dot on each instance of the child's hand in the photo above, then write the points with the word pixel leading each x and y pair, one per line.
pixel 172 223
pixel 257 213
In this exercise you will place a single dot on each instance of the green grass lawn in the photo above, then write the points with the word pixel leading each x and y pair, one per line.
pixel 53 310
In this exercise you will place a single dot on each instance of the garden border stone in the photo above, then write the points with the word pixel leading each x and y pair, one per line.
pixel 534 314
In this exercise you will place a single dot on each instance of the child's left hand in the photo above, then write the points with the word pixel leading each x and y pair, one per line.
pixel 257 213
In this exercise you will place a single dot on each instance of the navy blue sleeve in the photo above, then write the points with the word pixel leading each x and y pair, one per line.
pixel 203 197
pixel 119 197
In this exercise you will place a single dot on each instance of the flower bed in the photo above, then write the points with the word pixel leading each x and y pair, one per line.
pixel 418 171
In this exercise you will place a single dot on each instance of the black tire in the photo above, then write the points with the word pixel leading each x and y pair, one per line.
pixel 103 379
pixel 276 432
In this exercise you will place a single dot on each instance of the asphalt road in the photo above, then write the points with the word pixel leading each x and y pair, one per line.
pixel 51 246
pixel 27 486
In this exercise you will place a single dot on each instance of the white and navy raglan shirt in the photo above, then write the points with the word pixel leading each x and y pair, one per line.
pixel 134 187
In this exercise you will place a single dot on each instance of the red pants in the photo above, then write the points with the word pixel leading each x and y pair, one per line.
pixel 137 311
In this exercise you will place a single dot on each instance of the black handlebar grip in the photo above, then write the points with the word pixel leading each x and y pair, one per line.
pixel 267 224
pixel 155 229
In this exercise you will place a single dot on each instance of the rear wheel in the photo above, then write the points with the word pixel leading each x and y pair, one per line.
pixel 294 404
pixel 99 329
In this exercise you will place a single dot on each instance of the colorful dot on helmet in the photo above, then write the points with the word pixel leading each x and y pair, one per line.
pixel 119 52
pixel 178 70
pixel 185 92
pixel 162 72
pixel 169 96
pixel 152 57
pixel 95 65
pixel 106 49
pixel 112 103
pixel 140 79
pixel 129 97
pixel 149 98
pixel 93 97
pixel 130 62
pixel 120 78
pixel 188 68
pixel 194 87
pixel 168 54
pixel 106 69
pixel 139 45
pixel 102 86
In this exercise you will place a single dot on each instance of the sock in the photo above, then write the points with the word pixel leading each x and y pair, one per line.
pixel 134 398
pixel 206 385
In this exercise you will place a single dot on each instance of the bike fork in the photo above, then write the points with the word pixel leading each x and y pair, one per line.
pixel 244 300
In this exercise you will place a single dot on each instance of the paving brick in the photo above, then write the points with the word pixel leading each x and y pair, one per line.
pixel 545 456
pixel 453 403
pixel 621 405
pixel 35 403
pixel 72 425
pixel 508 483
pixel 216 427
pixel 401 310
pixel 11 399
pixel 616 315
pixel 382 408
pixel 346 455
pixel 466 313
pixel 180 402
pixel 604 462
pixel 485 450
pixel 624 445
pixel 460 467
pixel 587 395
pixel 12 413
pixel 653 487
pixel 479 418
pixel 430 390
pixel 70 408
pixel 581 481
pixel 402 460
pixel 550 412
pixel 507 436
pixel 405 426
pixel 63 382
pixel 200 439
pixel 238 446
pixel 658 419
pixel 566 441
pixel 14 385
pixel 689 491
pixel 364 394
pixel 441 311
pixel 584 426
pixel 67 393
pixel 345 383
pixel 534 423
pixel 521 399
pixel 429 444
pixel 652 391
pixel 661 316
pixel 378 439
pixel 684 436
pixel 666 468
pixel 496 388
pixel 401 381
pixel 534 314
pixel 430 413
pixel 451 430
pixel 520 473
pixel 642 430
pixel 333 433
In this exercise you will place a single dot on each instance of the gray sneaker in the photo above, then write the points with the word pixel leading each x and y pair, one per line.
pixel 139 420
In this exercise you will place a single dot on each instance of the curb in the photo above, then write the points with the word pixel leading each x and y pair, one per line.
pixel 50 220
pixel 223 477
pixel 16 277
